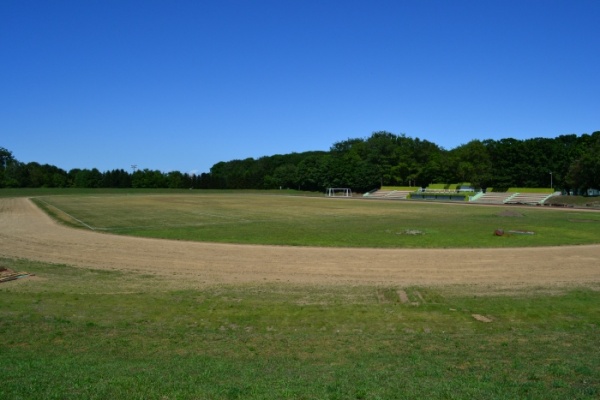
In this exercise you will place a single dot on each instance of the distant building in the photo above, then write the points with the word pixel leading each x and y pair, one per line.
pixel 593 192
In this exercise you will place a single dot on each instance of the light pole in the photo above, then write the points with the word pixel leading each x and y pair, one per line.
pixel 551 185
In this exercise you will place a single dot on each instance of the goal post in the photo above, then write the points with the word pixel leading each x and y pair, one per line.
pixel 338 192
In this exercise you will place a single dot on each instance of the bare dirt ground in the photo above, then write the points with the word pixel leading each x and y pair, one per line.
pixel 27 233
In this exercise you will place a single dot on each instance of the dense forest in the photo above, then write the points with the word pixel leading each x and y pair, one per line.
pixel 567 162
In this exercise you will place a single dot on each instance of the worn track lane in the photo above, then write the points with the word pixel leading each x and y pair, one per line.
pixel 26 232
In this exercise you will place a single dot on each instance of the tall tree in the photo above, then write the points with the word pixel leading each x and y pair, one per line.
pixel 472 164
pixel 6 159
pixel 86 178
pixel 584 172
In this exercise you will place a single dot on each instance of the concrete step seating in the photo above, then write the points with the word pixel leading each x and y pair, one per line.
pixel 389 194
pixel 494 198
pixel 512 198
pixel 528 198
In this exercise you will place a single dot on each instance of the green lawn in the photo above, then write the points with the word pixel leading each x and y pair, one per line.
pixel 72 333
pixel 238 217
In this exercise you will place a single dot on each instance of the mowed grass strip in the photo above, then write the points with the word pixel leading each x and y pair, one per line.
pixel 73 333
pixel 317 221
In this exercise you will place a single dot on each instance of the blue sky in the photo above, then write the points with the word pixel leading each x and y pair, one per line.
pixel 181 85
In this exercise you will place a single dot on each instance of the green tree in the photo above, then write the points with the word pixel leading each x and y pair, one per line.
pixel 148 179
pixel 285 176
pixel 313 172
pixel 584 173
pixel 472 163
pixel 116 178
pixel 6 160
pixel 507 158
pixel 86 178
pixel 177 180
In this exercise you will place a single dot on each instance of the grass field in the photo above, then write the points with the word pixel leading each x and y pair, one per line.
pixel 318 221
pixel 71 332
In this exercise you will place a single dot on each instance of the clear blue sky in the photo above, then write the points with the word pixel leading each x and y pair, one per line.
pixel 181 85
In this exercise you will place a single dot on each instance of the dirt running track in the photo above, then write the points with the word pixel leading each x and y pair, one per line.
pixel 26 232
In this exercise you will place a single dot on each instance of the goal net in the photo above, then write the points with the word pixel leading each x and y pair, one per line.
pixel 338 192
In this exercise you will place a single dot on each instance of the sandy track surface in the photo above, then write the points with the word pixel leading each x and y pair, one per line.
pixel 26 232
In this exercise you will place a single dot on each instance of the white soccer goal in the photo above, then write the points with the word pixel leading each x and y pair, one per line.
pixel 338 192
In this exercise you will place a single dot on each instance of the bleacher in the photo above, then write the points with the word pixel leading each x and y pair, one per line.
pixel 439 192
pixel 529 198
pixel 493 198
pixel 389 194
pixel 512 198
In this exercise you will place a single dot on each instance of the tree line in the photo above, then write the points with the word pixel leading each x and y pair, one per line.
pixel 567 162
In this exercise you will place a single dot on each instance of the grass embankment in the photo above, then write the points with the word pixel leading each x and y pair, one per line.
pixel 72 333
pixel 530 190
pixel 521 190
pixel 575 201
pixel 235 217
pixel 401 188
